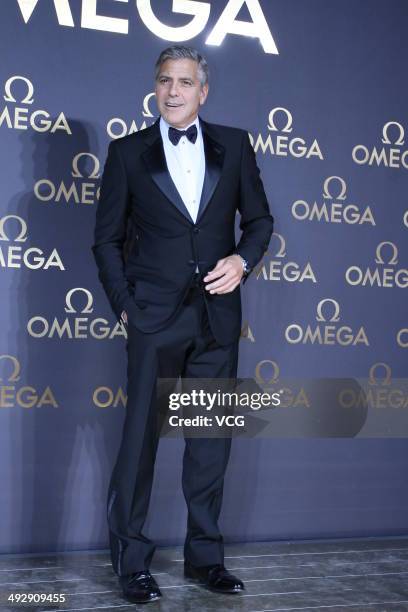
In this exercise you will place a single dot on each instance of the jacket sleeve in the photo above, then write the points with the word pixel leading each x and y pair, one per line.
pixel 256 221
pixel 111 230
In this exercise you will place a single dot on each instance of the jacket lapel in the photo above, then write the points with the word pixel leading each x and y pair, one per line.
pixel 214 160
pixel 155 160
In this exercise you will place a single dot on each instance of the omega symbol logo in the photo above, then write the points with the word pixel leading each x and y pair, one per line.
pixel 319 310
pixel 385 139
pixel 393 259
pixel 342 193
pixel 271 121
pixel 96 165
pixel 146 101
pixel 8 96
pixel 281 252
pixel 372 380
pixel 21 237
pixel 15 373
pixel 261 366
pixel 88 308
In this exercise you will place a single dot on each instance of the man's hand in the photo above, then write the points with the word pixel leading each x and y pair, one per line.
pixel 226 275
pixel 123 316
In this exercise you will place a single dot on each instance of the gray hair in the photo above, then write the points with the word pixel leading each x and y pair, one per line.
pixel 176 52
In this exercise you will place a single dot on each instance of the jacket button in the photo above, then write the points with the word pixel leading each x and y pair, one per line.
pixel 196 230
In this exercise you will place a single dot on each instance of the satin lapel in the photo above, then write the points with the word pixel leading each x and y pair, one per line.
pixel 155 160
pixel 214 160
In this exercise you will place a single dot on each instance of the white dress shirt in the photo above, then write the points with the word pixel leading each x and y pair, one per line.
pixel 186 164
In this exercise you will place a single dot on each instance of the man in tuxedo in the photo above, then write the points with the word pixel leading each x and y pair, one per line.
pixel 166 254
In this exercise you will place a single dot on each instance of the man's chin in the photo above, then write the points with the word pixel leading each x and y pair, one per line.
pixel 176 117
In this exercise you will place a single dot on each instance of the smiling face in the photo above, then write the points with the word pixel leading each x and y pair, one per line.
pixel 178 91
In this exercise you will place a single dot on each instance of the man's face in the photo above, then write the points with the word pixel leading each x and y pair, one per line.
pixel 179 92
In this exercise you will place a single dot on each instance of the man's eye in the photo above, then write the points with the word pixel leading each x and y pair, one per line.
pixel 163 80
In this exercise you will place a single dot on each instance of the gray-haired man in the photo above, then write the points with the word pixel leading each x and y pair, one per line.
pixel 176 186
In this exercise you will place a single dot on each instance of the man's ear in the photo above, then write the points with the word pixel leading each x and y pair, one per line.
pixel 204 93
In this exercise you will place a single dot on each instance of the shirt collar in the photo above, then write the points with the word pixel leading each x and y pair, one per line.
pixel 164 127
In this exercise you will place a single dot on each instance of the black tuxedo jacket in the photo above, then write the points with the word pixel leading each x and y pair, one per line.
pixel 146 245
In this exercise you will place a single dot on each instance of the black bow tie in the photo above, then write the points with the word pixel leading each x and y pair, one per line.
pixel 175 135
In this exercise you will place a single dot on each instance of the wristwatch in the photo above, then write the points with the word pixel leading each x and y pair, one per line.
pixel 245 265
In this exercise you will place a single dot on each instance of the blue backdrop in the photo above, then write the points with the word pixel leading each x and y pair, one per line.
pixel 321 89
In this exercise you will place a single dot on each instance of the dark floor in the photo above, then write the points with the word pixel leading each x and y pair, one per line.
pixel 364 574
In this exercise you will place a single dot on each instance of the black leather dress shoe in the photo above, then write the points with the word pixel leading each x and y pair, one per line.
pixel 214 577
pixel 140 587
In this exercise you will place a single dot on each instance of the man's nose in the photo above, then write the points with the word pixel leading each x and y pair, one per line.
pixel 173 90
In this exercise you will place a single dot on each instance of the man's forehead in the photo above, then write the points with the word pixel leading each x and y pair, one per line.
pixel 182 67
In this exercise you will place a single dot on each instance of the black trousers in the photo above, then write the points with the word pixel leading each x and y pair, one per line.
pixel 185 348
